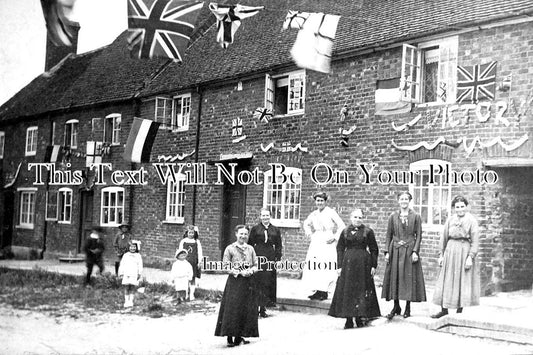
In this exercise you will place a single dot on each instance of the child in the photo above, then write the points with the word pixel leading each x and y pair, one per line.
pixel 191 243
pixel 131 268
pixel 181 273
pixel 94 252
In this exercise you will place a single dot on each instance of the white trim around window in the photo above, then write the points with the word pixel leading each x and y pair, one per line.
pixel 112 124
pixel 2 143
pixel 64 205
pixel 181 112
pixel 112 206
pixel 285 93
pixel 284 200
pixel 431 201
pixel 31 141
pixel 26 208
pixel 71 133
pixel 175 204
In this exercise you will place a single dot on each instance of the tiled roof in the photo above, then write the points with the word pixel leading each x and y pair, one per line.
pixel 109 74
pixel 105 75
pixel 260 44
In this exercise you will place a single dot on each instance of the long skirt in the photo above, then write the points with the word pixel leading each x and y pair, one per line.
pixel 238 308
pixel 355 292
pixel 403 279
pixel 266 282
pixel 457 287
pixel 320 263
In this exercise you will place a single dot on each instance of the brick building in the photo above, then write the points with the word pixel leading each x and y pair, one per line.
pixel 205 107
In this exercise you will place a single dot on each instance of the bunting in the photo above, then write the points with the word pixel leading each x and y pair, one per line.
pixel 229 20
pixel 142 136
pixel 161 28
pixel 314 43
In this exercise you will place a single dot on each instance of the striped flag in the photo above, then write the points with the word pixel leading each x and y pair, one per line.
pixel 53 154
pixel 161 28
pixel 388 98
pixel 140 140
pixel 263 114
pixel 314 43
pixel 56 15
pixel 476 82
pixel 229 20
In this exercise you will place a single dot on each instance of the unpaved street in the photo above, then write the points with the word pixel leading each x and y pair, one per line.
pixel 31 332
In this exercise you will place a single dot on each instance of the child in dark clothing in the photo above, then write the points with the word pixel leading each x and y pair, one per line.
pixel 94 252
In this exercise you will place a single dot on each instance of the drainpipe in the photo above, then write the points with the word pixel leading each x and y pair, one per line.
pixel 46 188
pixel 196 148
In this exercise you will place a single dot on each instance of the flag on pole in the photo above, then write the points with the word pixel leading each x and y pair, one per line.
pixel 295 19
pixel 476 82
pixel 140 141
pixel 59 26
pixel 161 28
pixel 53 154
pixel 388 98
pixel 229 20
pixel 314 43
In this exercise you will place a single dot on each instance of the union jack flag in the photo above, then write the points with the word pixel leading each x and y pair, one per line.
pixel 161 28
pixel 476 82
pixel 263 114
pixel 236 127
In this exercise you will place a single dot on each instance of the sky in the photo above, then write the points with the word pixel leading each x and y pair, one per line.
pixel 23 36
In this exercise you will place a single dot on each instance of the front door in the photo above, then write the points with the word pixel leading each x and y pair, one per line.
pixel 7 221
pixel 86 217
pixel 233 212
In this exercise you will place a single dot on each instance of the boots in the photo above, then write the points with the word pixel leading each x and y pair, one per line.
pixel 407 312
pixel 395 310
pixel 442 313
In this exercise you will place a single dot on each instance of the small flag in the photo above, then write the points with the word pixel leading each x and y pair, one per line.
pixel 295 19
pixel 476 82
pixel 59 26
pixel 93 153
pixel 314 43
pixel 161 28
pixel 229 20
pixel 263 114
pixel 236 127
pixel 140 141
pixel 388 98
pixel 53 154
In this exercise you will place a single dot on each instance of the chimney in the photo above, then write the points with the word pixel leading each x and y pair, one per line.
pixel 54 54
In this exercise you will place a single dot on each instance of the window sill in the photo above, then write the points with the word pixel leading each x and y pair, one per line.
pixel 434 104
pixel 24 226
pixel 63 222
pixel 299 113
pixel 50 219
pixel 176 130
pixel 175 221
pixel 110 224
pixel 30 154
pixel 281 223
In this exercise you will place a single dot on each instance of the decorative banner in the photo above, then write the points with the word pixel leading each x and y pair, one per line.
pixel 426 145
pixel 314 43
pixel 14 178
pixel 161 28
pixel 229 20
pixel 388 98
pixel 507 147
pixel 59 26
pixel 239 139
pixel 170 158
pixel 406 125
pixel 476 82
pixel 53 154
pixel 263 114
pixel 236 127
pixel 140 140
pixel 284 148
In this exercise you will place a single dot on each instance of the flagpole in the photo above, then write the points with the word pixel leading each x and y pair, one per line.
pixel 199 90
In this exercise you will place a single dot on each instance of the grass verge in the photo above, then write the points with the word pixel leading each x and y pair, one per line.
pixel 66 295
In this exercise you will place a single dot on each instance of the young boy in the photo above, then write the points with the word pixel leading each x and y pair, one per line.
pixel 181 274
pixel 94 252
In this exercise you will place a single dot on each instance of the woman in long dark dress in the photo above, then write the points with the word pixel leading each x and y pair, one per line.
pixel 403 279
pixel 355 293
pixel 237 317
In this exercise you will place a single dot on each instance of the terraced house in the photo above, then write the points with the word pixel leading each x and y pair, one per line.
pixel 434 97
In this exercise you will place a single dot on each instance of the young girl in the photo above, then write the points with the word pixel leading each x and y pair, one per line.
pixel 130 270
pixel 192 245
pixel 181 274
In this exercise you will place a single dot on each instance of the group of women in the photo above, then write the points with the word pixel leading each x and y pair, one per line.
pixel 354 251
